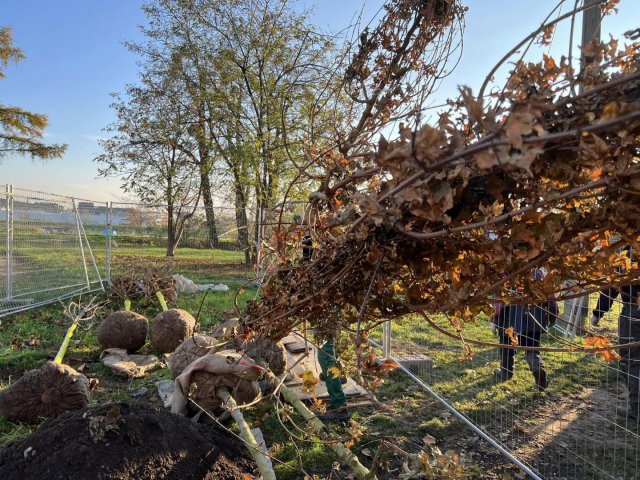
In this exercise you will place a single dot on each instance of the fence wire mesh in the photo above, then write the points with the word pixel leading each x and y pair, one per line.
pixel 53 246
pixel 44 249
pixel 217 247
pixel 564 414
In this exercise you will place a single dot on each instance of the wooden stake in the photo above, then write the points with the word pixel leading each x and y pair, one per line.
pixel 264 466
pixel 344 454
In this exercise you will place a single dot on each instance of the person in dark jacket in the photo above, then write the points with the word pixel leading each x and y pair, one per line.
pixel 628 332
pixel 528 322
pixel 307 242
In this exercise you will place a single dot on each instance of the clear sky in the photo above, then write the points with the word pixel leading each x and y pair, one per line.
pixel 75 59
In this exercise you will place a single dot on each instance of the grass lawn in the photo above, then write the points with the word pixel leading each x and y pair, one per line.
pixel 49 265
pixel 30 338
pixel 532 424
pixel 567 430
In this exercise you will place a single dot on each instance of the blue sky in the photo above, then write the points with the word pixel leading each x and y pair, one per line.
pixel 75 59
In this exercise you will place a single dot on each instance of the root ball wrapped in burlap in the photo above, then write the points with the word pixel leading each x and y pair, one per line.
pixel 170 328
pixel 227 368
pixel 190 350
pixel 124 329
pixel 226 330
pixel 47 392
pixel 203 390
pixel 267 352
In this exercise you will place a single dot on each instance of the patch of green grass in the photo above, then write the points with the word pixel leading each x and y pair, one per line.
pixel 380 420
pixel 433 426
pixel 216 303
pixel 470 384
pixel 12 432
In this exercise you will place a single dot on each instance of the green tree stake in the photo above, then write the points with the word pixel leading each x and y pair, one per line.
pixel 127 304
pixel 65 343
pixel 162 301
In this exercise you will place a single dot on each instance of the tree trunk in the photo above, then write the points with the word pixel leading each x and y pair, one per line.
pixel 207 199
pixel 171 242
pixel 256 230
pixel 262 460
pixel 205 164
pixel 241 219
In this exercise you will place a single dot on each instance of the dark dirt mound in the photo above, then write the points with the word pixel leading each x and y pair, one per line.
pixel 125 442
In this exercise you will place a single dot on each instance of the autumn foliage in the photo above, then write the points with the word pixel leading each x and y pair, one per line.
pixel 542 172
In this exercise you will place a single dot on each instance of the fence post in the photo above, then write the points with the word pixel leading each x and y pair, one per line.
pixel 9 233
pixel 107 244
pixel 84 261
pixel 386 339
pixel 93 258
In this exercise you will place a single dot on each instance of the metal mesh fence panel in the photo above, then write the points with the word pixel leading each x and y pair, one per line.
pixel 222 250
pixel 45 251
pixel 563 414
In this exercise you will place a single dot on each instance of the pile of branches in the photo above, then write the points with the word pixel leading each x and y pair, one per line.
pixel 542 172
pixel 143 285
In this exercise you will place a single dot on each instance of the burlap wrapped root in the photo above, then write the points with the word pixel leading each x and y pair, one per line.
pixel 48 392
pixel 190 350
pixel 264 351
pixel 128 365
pixel 226 330
pixel 123 329
pixel 267 352
pixel 170 328
pixel 202 377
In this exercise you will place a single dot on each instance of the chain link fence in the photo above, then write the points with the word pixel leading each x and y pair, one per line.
pixel 583 425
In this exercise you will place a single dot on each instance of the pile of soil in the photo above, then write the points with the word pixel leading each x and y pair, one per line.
pixel 126 442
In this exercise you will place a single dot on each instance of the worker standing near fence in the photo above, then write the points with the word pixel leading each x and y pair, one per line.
pixel 628 332
pixel 523 325
pixel 327 356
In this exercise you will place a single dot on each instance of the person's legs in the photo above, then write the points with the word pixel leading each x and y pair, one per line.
pixel 633 384
pixel 505 372
pixel 534 359
pixel 327 359
pixel 628 332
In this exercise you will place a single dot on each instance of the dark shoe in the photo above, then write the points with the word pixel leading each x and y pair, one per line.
pixel 541 379
pixel 343 379
pixel 335 416
pixel 502 375
pixel 631 414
